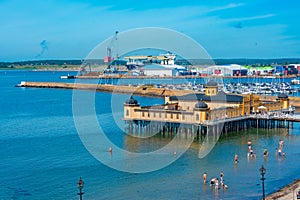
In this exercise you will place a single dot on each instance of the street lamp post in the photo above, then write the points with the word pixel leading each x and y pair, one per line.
pixel 80 186
pixel 262 172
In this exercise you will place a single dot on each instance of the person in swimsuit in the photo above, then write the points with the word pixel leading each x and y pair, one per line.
pixel 266 153
pixel 225 186
pixel 252 154
pixel 213 181
pixel 221 178
pixel 204 177
pixel 216 183
pixel 236 159
pixel 279 152
pixel 280 144
pixel 249 145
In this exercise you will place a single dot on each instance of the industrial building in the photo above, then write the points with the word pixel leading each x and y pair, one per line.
pixel 161 70
pixel 225 70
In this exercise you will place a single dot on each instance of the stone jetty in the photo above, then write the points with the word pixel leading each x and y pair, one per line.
pixel 143 90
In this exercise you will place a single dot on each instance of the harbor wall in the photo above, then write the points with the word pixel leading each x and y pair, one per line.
pixel 140 90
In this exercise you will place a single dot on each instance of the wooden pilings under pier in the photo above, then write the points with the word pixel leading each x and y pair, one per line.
pixel 213 129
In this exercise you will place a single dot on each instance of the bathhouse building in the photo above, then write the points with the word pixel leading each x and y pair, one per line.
pixel 199 108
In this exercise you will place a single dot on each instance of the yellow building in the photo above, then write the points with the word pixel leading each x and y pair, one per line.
pixel 196 108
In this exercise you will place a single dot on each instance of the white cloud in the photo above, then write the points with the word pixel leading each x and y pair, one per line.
pixel 249 18
pixel 229 6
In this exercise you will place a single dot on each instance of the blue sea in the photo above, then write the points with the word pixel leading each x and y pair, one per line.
pixel 42 155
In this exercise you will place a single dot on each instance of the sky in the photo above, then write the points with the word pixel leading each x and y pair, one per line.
pixel 65 29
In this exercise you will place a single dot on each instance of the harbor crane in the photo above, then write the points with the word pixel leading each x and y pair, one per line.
pixel 109 58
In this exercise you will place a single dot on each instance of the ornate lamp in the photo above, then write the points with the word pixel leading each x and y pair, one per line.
pixel 262 173
pixel 80 185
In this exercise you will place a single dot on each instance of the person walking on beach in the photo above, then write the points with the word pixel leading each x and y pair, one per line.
pixel 204 177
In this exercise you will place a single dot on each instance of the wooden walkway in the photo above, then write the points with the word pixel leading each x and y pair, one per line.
pixel 289 118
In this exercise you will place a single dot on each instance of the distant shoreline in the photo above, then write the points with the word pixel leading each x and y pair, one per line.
pixel 42 69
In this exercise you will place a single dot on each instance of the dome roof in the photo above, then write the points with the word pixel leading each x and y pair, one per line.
pixel 201 104
pixel 131 101
pixel 211 83
pixel 283 96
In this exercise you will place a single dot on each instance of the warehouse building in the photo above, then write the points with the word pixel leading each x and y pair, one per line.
pixel 225 70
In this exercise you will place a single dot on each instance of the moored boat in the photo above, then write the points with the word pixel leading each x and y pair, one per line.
pixel 67 77
pixel 295 81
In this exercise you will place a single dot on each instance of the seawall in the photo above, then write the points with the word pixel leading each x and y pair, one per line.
pixel 140 90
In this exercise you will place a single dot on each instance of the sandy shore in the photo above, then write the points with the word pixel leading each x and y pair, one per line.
pixel 288 192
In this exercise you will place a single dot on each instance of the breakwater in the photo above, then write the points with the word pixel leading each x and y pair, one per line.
pixel 139 90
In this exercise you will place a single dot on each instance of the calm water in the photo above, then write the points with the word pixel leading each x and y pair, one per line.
pixel 43 157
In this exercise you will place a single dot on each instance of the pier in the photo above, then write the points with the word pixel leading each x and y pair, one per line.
pixel 211 128
pixel 209 114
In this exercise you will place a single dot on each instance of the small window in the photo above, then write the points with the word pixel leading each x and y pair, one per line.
pixel 183 117
pixel 127 112
pixel 148 114
pixel 154 114
pixel 171 116
pixel 177 116
pixel 188 108
pixel 197 117
pixel 143 114
pixel 159 115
